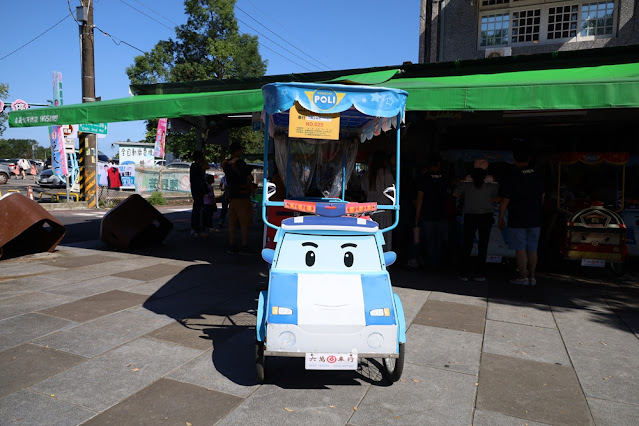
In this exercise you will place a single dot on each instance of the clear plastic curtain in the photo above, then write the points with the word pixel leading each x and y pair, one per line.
pixel 314 167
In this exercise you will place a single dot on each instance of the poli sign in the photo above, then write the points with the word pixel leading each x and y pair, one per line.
pixel 325 99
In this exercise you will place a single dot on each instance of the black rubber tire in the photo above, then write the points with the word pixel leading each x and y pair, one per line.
pixel 618 268
pixel 3 178
pixel 260 362
pixel 394 367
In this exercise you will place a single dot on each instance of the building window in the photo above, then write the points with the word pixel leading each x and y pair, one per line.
pixel 597 19
pixel 494 30
pixel 562 22
pixel 516 22
pixel 526 25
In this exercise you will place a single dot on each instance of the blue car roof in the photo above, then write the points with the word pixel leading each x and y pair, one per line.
pixel 319 223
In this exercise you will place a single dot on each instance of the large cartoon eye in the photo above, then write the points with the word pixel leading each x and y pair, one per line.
pixel 348 259
pixel 310 258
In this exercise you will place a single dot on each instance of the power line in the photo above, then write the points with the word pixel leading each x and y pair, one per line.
pixel 148 16
pixel 280 47
pixel 283 39
pixel 157 13
pixel 116 42
pixel 35 38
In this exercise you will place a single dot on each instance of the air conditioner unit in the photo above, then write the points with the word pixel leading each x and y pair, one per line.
pixel 499 52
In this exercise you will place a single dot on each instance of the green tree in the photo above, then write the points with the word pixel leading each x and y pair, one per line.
pixel 208 46
pixel 18 148
pixel 4 94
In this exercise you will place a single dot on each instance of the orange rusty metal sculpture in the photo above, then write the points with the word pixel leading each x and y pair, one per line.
pixel 25 227
pixel 134 223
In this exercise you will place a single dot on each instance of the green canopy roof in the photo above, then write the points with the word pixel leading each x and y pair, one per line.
pixel 604 86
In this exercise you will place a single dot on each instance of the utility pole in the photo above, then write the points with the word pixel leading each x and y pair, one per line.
pixel 88 141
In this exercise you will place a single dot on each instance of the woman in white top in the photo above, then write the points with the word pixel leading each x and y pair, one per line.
pixel 24 165
pixel 374 182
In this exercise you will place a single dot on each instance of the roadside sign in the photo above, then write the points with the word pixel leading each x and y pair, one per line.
pixel 1 107
pixel 19 105
pixel 100 128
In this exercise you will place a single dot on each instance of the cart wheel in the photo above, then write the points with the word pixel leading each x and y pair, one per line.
pixel 260 362
pixel 617 268
pixel 393 367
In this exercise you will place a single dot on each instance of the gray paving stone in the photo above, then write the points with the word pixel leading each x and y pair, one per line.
pixel 454 316
pixel 169 402
pixel 20 329
pixel 422 396
pixel 81 261
pixel 525 341
pixel 228 368
pixel 189 333
pixel 20 269
pixel 95 306
pixel 604 357
pixel 168 285
pixel 102 382
pixel 465 299
pixel 441 348
pixel 536 391
pixel 489 418
pixel 82 273
pixel 90 287
pixel 29 302
pixel 11 288
pixel 520 313
pixel 28 364
pixel 29 408
pixel 150 272
pixel 412 301
pixel 311 398
pixel 613 413
pixel 104 333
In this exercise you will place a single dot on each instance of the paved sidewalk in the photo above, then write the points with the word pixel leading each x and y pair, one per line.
pixel 94 336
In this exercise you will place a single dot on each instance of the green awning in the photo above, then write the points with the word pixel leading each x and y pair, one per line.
pixel 606 86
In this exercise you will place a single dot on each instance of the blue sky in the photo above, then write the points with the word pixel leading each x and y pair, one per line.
pixel 294 37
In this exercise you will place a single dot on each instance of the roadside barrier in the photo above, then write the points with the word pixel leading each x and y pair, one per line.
pixel 134 223
pixel 26 227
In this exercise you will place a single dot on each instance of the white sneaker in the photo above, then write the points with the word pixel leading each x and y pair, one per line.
pixel 519 281
pixel 532 281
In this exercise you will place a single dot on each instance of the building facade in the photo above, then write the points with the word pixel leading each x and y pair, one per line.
pixel 453 30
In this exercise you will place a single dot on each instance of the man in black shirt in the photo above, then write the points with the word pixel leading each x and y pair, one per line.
pixel 430 210
pixel 239 188
pixel 523 195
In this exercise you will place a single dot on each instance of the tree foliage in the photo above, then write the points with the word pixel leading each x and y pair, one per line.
pixel 22 148
pixel 208 46
pixel 4 94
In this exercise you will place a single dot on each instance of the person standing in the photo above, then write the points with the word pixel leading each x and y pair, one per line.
pixel 377 178
pixel 479 191
pixel 522 195
pixel 239 188
pixel 198 190
pixel 24 165
pixel 430 210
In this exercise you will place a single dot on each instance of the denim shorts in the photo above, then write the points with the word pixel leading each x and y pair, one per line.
pixel 523 238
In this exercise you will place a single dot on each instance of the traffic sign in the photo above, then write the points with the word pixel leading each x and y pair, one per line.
pixel 100 128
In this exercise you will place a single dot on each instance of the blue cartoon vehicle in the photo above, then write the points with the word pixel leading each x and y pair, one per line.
pixel 329 297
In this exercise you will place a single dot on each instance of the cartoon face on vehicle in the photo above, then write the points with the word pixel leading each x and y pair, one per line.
pixel 328 253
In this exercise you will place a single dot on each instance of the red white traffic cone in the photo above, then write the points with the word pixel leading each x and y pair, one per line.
pixel 30 193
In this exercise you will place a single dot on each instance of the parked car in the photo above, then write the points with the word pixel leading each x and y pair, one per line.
pixel 11 162
pixel 5 173
pixel 47 179
pixel 179 165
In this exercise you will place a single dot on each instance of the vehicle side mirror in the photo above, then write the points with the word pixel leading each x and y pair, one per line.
pixel 268 255
pixel 389 258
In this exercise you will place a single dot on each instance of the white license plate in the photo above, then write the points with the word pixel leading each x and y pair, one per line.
pixel 331 361
pixel 596 263
pixel 493 259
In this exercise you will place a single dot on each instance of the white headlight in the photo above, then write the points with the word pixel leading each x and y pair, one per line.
pixel 287 339
pixel 375 340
